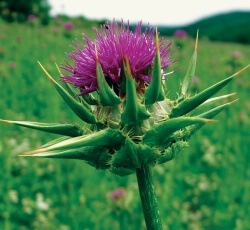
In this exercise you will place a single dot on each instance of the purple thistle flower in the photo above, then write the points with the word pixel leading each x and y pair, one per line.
pixel 68 26
pixel 236 54
pixel 118 193
pixel 12 65
pixel 196 80
pixel 31 18
pixel 180 34
pixel 112 46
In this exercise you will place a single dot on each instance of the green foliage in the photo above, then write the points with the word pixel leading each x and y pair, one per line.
pixel 19 11
pixel 206 188
pixel 228 27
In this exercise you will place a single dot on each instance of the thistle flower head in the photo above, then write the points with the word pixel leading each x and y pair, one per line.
pixel 180 34
pixel 31 18
pixel 112 46
pixel 68 26
pixel 117 194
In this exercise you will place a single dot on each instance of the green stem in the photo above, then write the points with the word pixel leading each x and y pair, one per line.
pixel 148 198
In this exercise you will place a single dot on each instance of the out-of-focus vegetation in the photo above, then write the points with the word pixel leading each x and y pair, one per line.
pixel 23 10
pixel 206 187
pixel 228 27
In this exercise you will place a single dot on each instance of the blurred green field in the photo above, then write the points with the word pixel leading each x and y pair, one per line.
pixel 206 187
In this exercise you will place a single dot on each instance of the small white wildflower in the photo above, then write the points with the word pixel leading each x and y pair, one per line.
pixel 13 196
pixel 40 203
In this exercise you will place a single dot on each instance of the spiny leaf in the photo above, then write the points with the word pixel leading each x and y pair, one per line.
pixel 133 112
pixel 208 103
pixel 132 156
pixel 107 137
pixel 107 95
pixel 90 99
pixel 84 113
pixel 172 151
pixel 160 133
pixel 55 141
pixel 189 131
pixel 97 156
pixel 62 129
pixel 213 112
pixel 154 91
pixel 191 103
pixel 126 157
pixel 188 79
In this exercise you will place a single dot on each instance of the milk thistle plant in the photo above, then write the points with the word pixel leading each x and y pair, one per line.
pixel 129 123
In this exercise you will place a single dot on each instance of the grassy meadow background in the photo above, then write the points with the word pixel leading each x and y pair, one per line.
pixel 206 187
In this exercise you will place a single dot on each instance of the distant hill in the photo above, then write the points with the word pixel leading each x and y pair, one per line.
pixel 229 27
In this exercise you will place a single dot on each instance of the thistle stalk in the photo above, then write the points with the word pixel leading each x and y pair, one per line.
pixel 148 198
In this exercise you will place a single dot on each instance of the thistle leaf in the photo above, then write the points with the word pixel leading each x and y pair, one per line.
pixel 160 133
pixel 55 141
pixel 83 113
pixel 132 156
pixel 188 79
pixel 154 91
pixel 90 99
pixel 213 112
pixel 189 131
pixel 107 95
pixel 134 112
pixel 172 151
pixel 108 137
pixel 191 103
pixel 126 157
pixel 212 102
pixel 62 129
pixel 97 156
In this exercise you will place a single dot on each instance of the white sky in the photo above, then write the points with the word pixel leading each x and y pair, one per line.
pixel 174 12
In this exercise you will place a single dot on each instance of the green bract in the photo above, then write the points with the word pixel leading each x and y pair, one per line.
pixel 124 132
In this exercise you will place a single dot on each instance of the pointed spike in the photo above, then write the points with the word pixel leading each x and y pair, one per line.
pixel 213 112
pixel 128 70
pixel 196 41
pixel 208 103
pixel 108 137
pixel 59 70
pixel 191 103
pixel 157 40
pixel 6 121
pixel 96 54
pixel 47 74
pixel 154 91
pixel 107 95
pixel 97 156
pixel 62 129
pixel 188 79
pixel 230 103
pixel 133 111
pixel 241 71
pixel 82 112
pixel 160 133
